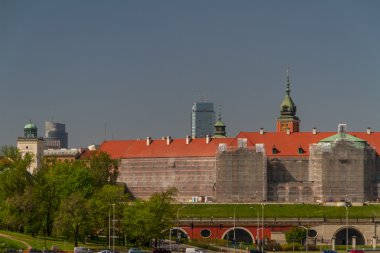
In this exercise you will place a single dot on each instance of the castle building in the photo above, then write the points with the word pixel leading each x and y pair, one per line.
pixel 31 144
pixel 282 166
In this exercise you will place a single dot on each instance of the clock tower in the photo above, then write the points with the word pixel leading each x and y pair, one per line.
pixel 288 121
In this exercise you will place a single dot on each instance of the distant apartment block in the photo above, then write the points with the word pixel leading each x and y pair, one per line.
pixel 202 119
pixel 56 136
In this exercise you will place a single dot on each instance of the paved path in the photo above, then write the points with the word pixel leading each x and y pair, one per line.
pixel 28 246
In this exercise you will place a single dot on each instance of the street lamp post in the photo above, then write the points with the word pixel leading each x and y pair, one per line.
pixel 109 228
pixel 257 227
pixel 170 239
pixel 234 230
pixel 113 227
pixel 307 233
pixel 177 218
pixel 346 227
pixel 262 228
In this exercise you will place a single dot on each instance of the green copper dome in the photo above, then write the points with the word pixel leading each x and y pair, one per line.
pixel 220 127
pixel 346 137
pixel 287 107
pixel 30 130
pixel 30 125
pixel 219 123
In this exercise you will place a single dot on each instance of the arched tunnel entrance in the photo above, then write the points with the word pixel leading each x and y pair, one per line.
pixel 241 236
pixel 178 233
pixel 341 235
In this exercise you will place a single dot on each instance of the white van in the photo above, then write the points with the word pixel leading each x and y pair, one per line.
pixel 193 250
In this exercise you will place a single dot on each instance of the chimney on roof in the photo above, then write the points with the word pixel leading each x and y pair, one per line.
pixel 208 139
pixel 314 130
pixel 287 131
pixel 261 130
pixel 369 130
pixel 168 140
pixel 188 139
pixel 148 141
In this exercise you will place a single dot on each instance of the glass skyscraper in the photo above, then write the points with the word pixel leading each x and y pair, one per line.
pixel 202 119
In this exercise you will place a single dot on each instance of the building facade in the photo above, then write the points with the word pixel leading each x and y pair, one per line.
pixel 56 136
pixel 202 119
pixel 282 166
pixel 33 145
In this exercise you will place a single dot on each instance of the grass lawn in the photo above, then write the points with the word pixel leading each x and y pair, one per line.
pixel 275 210
pixel 6 243
pixel 38 242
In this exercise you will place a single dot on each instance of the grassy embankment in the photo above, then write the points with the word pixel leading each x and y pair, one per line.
pixel 276 211
pixel 221 211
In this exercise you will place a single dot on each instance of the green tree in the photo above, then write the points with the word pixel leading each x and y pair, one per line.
pixel 72 217
pixel 163 211
pixel 55 182
pixel 14 179
pixel 144 220
pixel 14 175
pixel 10 156
pixel 23 211
pixel 104 169
pixel 108 201
pixel 137 222
pixel 296 234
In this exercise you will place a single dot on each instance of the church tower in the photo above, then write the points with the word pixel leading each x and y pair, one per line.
pixel 220 127
pixel 33 145
pixel 288 121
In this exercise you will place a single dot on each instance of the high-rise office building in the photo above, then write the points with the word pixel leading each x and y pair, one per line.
pixel 55 135
pixel 202 119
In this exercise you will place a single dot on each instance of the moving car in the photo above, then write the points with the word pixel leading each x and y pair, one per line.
pixel 135 250
pixel 82 250
pixel 193 250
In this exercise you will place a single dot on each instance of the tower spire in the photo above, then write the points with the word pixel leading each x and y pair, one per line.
pixel 288 119
pixel 287 82
pixel 220 127
pixel 220 113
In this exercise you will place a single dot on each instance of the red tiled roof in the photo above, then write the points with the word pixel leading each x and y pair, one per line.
pixel 285 144
pixel 288 144
pixel 86 154
pixel 158 148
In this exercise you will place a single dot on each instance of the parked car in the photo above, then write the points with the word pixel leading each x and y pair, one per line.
pixel 329 251
pixel 356 251
pixel 256 251
pixel 105 251
pixel 135 250
pixel 82 250
pixel 161 250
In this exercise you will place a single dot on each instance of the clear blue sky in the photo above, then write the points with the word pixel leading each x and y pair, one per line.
pixel 139 65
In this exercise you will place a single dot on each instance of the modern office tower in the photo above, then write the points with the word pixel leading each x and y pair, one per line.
pixel 202 119
pixel 55 135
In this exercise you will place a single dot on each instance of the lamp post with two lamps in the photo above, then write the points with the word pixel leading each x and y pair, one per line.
pixel 178 234
pixel 234 229
pixel 257 226
pixel 113 227
pixel 307 233
pixel 262 228
pixel 346 206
